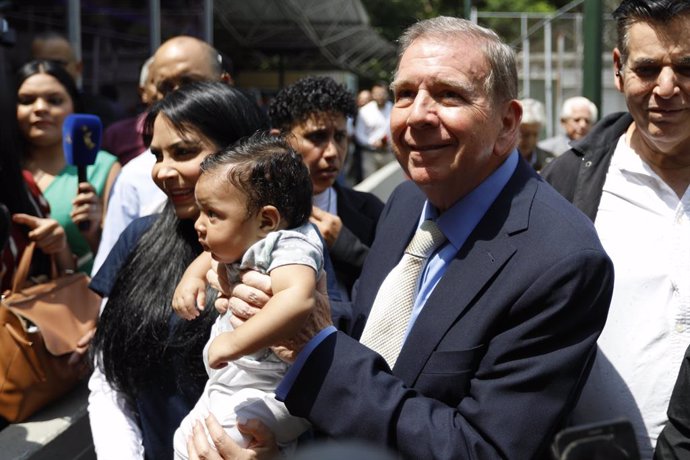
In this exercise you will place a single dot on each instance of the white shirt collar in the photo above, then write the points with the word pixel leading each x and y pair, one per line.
pixel 327 201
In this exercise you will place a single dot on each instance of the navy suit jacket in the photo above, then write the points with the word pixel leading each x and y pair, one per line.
pixel 359 213
pixel 499 353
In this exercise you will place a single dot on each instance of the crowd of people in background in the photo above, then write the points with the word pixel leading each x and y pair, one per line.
pixel 511 287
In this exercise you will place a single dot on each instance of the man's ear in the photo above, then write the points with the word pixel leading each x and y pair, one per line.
pixel 617 69
pixel 269 219
pixel 510 128
pixel 274 132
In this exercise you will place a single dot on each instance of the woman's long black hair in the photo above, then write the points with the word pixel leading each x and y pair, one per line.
pixel 136 336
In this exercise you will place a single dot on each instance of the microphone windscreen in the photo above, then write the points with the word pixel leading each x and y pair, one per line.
pixel 81 138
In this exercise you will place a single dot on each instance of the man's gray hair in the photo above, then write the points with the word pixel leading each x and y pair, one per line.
pixel 144 72
pixel 579 101
pixel 502 80
pixel 532 112
pixel 655 12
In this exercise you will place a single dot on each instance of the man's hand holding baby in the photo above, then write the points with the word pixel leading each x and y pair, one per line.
pixel 253 293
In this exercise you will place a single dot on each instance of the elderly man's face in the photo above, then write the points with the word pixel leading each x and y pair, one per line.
pixel 578 124
pixel 655 80
pixel 447 134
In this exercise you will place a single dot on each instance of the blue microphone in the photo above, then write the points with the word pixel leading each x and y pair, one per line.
pixel 81 141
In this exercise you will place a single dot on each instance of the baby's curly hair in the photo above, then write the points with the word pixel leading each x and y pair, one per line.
pixel 306 97
pixel 269 172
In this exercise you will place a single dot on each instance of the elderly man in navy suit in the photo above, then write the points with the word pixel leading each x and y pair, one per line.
pixel 488 355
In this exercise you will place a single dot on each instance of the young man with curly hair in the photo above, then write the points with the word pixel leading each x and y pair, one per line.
pixel 312 115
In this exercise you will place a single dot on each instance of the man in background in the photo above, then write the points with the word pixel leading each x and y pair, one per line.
pixel 372 131
pixel 631 176
pixel 533 120
pixel 578 115
pixel 55 47
pixel 363 98
pixel 353 165
pixel 316 127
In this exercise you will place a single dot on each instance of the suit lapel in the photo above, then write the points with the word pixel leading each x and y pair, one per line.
pixel 391 240
pixel 484 253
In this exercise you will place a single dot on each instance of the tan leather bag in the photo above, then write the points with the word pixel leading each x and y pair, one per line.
pixel 41 325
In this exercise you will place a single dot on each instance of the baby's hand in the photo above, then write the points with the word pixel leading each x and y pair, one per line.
pixel 219 352
pixel 189 297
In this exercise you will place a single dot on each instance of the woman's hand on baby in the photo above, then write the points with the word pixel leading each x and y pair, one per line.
pixel 189 297
pixel 262 447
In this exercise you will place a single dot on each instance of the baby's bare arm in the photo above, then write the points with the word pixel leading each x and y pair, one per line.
pixel 190 293
pixel 282 317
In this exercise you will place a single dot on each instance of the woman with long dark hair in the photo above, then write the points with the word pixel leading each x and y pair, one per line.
pixel 46 94
pixel 151 359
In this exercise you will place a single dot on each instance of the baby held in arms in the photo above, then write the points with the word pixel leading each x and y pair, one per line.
pixel 255 200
